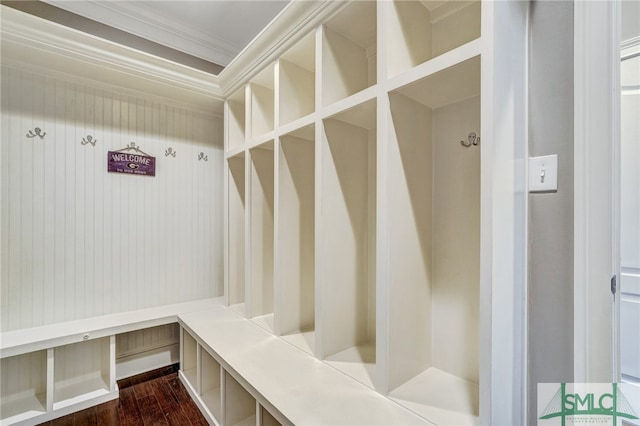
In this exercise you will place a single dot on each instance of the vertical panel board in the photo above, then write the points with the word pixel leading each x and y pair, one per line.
pixel 82 242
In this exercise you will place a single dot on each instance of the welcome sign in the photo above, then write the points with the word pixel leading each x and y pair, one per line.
pixel 134 164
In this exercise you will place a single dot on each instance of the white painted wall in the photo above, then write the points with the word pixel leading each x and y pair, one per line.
pixel 79 242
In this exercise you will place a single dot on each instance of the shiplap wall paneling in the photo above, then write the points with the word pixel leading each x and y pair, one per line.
pixel 24 386
pixel 295 269
pixel 82 242
pixel 143 350
pixel 347 255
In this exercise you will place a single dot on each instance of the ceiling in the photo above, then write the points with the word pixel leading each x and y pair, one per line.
pixel 212 31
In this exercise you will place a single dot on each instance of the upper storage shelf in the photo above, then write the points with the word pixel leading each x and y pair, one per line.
pixel 297 75
pixel 262 103
pixel 236 113
pixel 421 30
pixel 349 52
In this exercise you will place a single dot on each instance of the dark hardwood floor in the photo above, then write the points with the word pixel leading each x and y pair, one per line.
pixel 154 398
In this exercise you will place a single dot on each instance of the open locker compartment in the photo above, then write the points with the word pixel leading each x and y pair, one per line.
pixel 349 52
pixel 297 78
pixel 296 238
pixel 260 297
pixel 24 387
pixel 348 252
pixel 239 405
pixel 421 30
pixel 434 232
pixel 210 384
pixel 236 232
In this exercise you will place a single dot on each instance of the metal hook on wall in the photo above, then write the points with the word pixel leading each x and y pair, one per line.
pixel 169 152
pixel 201 156
pixel 472 139
pixel 36 132
pixel 89 140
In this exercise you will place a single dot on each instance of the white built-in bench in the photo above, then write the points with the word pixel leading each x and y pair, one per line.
pixel 50 371
pixel 241 374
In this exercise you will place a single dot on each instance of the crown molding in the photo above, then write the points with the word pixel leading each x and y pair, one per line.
pixel 292 24
pixel 36 42
pixel 131 18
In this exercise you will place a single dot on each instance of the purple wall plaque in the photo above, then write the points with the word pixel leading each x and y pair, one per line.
pixel 134 164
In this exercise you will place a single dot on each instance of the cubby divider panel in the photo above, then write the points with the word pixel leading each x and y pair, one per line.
pixel 24 386
pixel 348 242
pixel 349 52
pixel 434 233
pixel 236 119
pixel 239 405
pixel 266 419
pixel 297 80
pixel 261 300
pixel 236 231
pixel 296 236
pixel 421 30
pixel 81 371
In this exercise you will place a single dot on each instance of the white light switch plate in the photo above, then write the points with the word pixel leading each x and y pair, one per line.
pixel 543 173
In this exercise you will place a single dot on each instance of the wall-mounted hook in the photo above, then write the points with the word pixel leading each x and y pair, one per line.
pixel 89 139
pixel 169 152
pixel 36 132
pixel 201 156
pixel 472 139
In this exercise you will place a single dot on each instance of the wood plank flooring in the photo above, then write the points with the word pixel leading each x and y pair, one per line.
pixel 154 398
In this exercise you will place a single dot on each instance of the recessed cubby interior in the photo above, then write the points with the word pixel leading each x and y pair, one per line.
pixel 296 237
pixel 297 80
pixel 266 419
pixel 348 241
pixel 239 405
pixel 349 52
pixel 236 231
pixel 262 103
pixel 260 297
pixel 210 383
pixel 434 236
pixel 81 371
pixel 189 361
pixel 236 119
pixel 24 386
pixel 421 30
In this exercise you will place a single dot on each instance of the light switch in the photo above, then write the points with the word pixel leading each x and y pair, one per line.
pixel 543 173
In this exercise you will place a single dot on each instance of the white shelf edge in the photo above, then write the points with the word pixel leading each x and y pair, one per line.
pixel 297 124
pixel 233 152
pixel 39 338
pixel 435 65
pixel 352 101
pixel 262 139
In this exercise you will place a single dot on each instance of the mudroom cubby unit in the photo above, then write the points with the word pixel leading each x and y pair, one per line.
pixel 295 257
pixel 349 51
pixel 434 232
pixel 24 387
pixel 189 357
pixel 261 224
pixel 236 119
pixel 297 80
pixel 348 242
pixel 421 30
pixel 235 232
pixel 262 104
